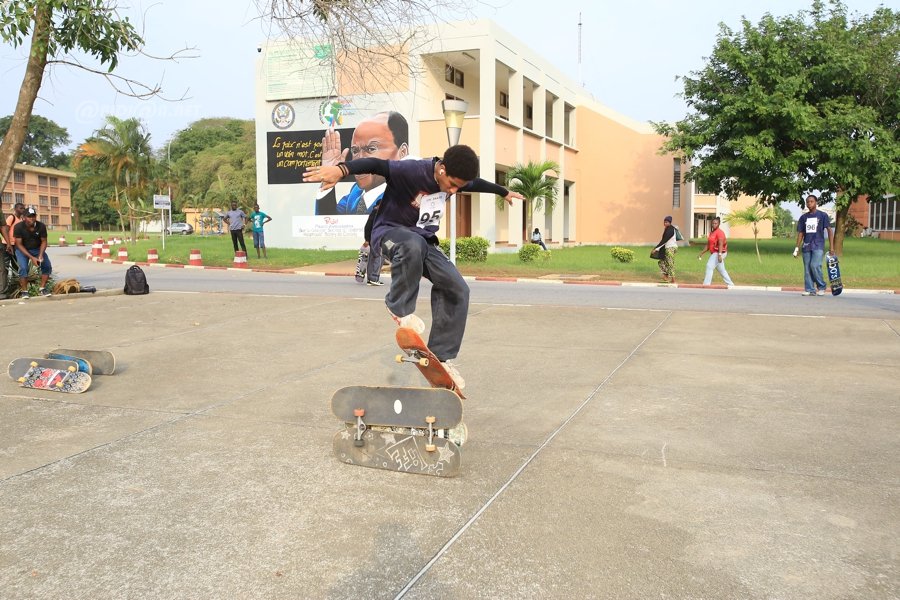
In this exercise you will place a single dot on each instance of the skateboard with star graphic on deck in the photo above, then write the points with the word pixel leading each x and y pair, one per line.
pixel 398 429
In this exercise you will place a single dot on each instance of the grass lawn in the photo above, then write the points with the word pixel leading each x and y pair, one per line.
pixel 866 263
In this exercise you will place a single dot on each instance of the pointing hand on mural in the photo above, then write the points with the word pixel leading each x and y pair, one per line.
pixel 331 148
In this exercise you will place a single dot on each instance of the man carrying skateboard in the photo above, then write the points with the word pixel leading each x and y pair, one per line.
pixel 811 228
pixel 405 229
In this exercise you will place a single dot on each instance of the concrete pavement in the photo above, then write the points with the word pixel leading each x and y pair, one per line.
pixel 650 454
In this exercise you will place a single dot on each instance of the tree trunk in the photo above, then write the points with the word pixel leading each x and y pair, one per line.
pixel 840 219
pixel 28 91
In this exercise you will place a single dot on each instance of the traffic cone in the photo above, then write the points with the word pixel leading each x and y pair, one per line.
pixel 196 260
pixel 152 256
pixel 240 260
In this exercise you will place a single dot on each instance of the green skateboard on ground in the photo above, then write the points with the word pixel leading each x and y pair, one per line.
pixel 398 429
pixel 20 366
pixel 103 362
pixel 69 381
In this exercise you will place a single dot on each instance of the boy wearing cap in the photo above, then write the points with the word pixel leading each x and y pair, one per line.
pixel 31 242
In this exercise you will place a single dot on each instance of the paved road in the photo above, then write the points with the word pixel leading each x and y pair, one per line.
pixel 644 453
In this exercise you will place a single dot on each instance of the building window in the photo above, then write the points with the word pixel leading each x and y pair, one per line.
pixel 504 99
pixel 529 112
pixel 454 76
pixel 20 198
pixel 54 182
pixel 676 183
pixel 42 180
pixel 19 176
pixel 883 215
pixel 500 177
pixel 54 219
pixel 7 198
pixel 43 201
pixel 54 201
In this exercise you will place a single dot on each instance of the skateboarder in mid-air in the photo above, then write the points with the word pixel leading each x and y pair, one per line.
pixel 405 229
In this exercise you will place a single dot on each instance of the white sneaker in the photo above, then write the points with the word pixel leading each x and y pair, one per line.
pixel 459 434
pixel 820 293
pixel 807 294
pixel 375 283
pixel 454 374
pixel 411 321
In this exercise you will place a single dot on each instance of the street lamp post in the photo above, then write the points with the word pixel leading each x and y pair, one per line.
pixel 454 113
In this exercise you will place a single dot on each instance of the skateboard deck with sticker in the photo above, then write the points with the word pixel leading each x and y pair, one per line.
pixel 69 381
pixel 362 262
pixel 834 274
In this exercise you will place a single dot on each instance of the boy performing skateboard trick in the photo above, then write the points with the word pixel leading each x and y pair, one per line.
pixel 405 228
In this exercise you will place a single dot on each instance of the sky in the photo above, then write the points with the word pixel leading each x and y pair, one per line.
pixel 631 54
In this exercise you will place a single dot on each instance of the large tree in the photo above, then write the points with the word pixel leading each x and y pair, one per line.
pixel 801 103
pixel 42 140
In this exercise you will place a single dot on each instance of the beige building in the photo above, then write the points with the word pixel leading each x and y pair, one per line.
pixel 613 186
pixel 708 206
pixel 47 190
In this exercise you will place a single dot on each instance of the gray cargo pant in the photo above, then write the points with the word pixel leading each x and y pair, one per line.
pixel 412 258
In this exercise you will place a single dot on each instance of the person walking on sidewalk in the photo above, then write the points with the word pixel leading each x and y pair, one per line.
pixel 257 220
pixel 717 246
pixel 31 244
pixel 667 247
pixel 405 228
pixel 811 241
pixel 236 219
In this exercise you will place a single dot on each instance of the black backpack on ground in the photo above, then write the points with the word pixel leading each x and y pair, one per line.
pixel 136 281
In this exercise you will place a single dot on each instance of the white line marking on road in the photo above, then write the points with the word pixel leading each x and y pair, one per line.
pixel 787 316
pixel 524 465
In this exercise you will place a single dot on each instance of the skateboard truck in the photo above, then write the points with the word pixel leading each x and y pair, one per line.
pixel 359 413
pixel 430 446
pixel 421 361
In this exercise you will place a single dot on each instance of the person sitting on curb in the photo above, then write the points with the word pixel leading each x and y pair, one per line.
pixel 536 238
pixel 31 244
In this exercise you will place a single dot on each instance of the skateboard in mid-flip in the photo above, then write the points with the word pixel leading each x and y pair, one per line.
pixel 398 429
pixel 102 362
pixel 834 274
pixel 20 366
pixel 362 262
pixel 416 352
pixel 69 381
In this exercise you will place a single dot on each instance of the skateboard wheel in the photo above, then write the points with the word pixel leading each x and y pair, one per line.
pixel 359 443
pixel 430 447
pixel 21 380
pixel 359 412
pixel 59 384
pixel 399 358
pixel 33 364
pixel 72 369
pixel 430 420
pixel 424 362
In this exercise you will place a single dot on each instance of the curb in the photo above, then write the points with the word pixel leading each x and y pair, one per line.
pixel 690 286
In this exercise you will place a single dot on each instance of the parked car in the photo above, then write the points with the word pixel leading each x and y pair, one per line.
pixel 182 228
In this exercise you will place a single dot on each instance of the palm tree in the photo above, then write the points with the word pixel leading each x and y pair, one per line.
pixel 122 149
pixel 753 215
pixel 532 181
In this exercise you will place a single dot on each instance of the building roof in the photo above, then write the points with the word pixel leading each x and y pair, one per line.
pixel 43 170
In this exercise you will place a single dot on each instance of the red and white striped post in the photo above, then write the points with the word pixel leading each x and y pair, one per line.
pixel 240 260
pixel 196 260
pixel 97 247
pixel 152 256
pixel 62 241
pixel 123 253
pixel 104 251
pixel 79 241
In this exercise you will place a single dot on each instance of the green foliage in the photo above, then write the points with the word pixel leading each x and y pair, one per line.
pixel 468 249
pixel 623 255
pixel 851 226
pixel 783 223
pixel 805 102
pixel 532 181
pixel 213 161
pixel 42 139
pixel 752 215
pixel 533 253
